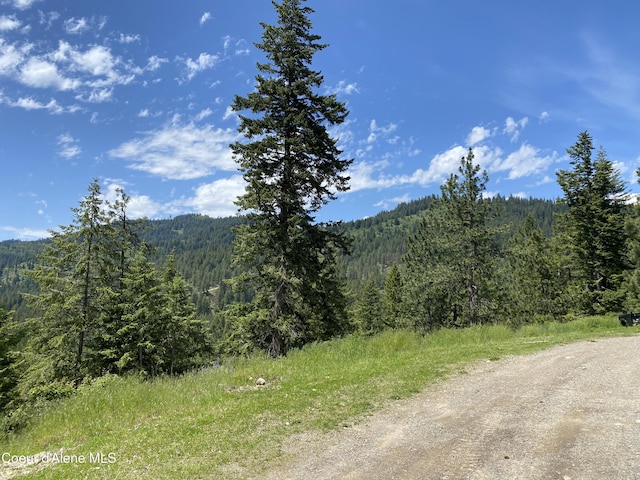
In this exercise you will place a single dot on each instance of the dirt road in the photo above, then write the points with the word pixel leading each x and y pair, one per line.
pixel 571 412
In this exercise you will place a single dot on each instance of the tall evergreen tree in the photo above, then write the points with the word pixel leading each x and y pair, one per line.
pixel 392 297
pixel 185 337
pixel 595 196
pixel 631 285
pixel 123 240
pixel 143 322
pixel 292 167
pixel 9 337
pixel 369 314
pixel 449 262
pixel 535 276
pixel 70 273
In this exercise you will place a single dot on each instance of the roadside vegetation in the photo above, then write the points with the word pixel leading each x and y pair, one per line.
pixel 217 423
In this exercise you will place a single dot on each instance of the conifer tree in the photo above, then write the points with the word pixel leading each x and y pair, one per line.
pixel 392 297
pixel 143 322
pixel 369 313
pixel 185 337
pixel 537 278
pixel 9 337
pixel 292 167
pixel 595 196
pixel 631 285
pixel 449 261
pixel 70 273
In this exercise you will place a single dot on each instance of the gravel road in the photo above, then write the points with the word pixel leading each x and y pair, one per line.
pixel 570 412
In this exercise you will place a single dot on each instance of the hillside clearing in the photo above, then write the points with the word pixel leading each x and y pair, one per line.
pixel 218 424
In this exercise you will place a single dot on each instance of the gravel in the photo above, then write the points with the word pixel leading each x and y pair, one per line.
pixel 570 412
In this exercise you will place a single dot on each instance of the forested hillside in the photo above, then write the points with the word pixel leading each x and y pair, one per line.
pixel 203 248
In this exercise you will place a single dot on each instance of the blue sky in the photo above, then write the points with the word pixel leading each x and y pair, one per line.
pixel 137 93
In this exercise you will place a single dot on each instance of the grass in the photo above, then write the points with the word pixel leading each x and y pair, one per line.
pixel 218 424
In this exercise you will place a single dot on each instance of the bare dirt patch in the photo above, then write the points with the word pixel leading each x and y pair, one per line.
pixel 570 412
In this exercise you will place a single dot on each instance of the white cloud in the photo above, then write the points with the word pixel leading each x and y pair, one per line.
pixel 544 116
pixel 155 62
pixel 9 22
pixel 343 88
pixel 28 103
pixel 124 39
pixel 91 73
pixel 204 62
pixel 97 96
pixel 76 26
pixel 139 205
pixel 180 152
pixel 390 202
pixel 229 113
pixel 21 4
pixel 215 199
pixel 203 114
pixel 206 16
pixel 26 233
pixel 40 73
pixel 69 147
pixel 441 166
pixel 513 127
pixel 523 162
pixel 144 113
pixel 366 175
pixel 375 131
pixel 477 135
pixel 11 57
pixel 48 18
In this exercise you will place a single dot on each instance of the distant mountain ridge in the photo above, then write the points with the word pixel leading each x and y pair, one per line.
pixel 204 246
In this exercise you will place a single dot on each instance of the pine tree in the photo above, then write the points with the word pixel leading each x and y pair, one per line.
pixel 70 273
pixel 392 297
pixel 185 337
pixel 144 324
pixel 595 196
pixel 9 338
pixel 631 284
pixel 123 240
pixel 292 168
pixel 369 315
pixel 536 277
pixel 449 262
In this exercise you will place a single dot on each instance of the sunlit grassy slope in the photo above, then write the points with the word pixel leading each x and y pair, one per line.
pixel 218 424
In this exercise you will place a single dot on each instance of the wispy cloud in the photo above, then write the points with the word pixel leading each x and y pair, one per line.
pixel 139 205
pixel 526 161
pixel 215 199
pixel 29 103
pixel 68 147
pixel 205 61
pixel 128 38
pixel 9 22
pixel 20 4
pixel 26 233
pixel 343 88
pixel 90 73
pixel 477 135
pixel 180 152
pixel 513 127
pixel 76 26
pixel 206 16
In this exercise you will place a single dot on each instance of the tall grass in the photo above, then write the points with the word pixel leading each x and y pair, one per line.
pixel 218 424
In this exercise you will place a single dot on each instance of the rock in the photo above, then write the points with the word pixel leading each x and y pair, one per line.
pixel 261 381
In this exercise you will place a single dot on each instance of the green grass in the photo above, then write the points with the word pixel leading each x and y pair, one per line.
pixel 218 424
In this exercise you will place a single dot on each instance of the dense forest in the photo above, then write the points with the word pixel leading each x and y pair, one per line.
pixel 203 249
